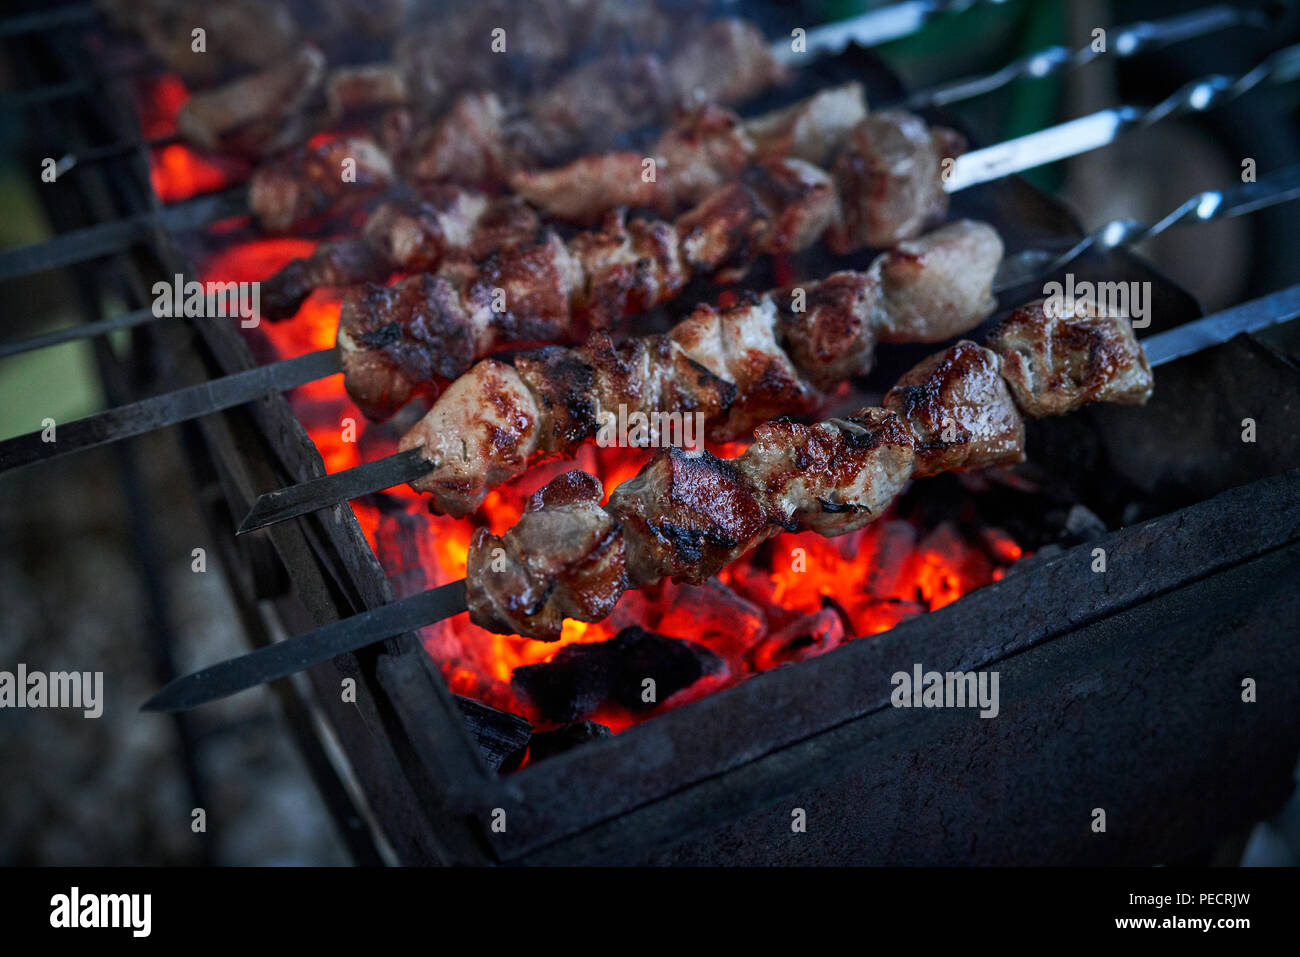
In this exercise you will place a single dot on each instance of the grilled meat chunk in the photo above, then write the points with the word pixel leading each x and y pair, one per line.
pixel 889 180
pixel 291 190
pixel 563 559
pixel 703 150
pixel 957 405
pixel 935 282
pixel 255 114
pixel 406 235
pixel 833 477
pixel 736 367
pixel 1058 357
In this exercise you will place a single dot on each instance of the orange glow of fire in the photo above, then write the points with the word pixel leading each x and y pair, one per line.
pixel 178 171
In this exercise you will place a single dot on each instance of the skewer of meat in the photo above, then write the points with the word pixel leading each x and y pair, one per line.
pixel 686 516
pixel 706 148
pixel 396 342
pixel 776 353
pixel 481 134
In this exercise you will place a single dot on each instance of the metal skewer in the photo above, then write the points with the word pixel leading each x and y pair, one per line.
pixel 1270 190
pixel 427 607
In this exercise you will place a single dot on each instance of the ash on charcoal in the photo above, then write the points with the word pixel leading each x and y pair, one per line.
pixel 547 744
pixel 581 678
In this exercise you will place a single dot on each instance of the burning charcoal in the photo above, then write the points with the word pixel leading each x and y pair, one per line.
pixel 502 737
pixel 547 744
pixel 716 617
pixel 572 684
pixel 582 677
pixel 803 638
pixel 673 663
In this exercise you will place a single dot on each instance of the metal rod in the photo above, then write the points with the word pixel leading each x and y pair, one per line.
pixel 93 241
pixel 1270 190
pixel 1099 129
pixel 127 320
pixel 1125 42
pixel 160 411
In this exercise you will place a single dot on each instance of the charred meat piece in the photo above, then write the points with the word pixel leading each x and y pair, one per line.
pixel 291 190
pixel 708 147
pixel 255 114
pixel 397 342
pixel 686 516
pixel 889 179
pixel 833 477
pixel 563 559
pixel 734 367
pixel 957 405
pixel 1057 357
pixel 405 235
pixel 467 145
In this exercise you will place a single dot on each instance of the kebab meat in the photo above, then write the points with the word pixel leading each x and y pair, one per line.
pixel 685 516
pixel 707 149
pixel 399 341
pixel 776 353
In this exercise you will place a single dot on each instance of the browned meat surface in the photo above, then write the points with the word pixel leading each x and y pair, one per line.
pixel 816 129
pixel 936 281
pixel 889 177
pixel 737 367
pixel 957 405
pixel 293 189
pixel 686 516
pixel 411 236
pixel 258 113
pixel 467 145
pixel 1056 361
pixel 563 559
pixel 707 147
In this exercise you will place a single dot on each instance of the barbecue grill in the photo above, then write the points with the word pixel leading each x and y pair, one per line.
pixel 1160 551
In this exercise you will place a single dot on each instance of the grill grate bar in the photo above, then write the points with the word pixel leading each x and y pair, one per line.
pixel 90 330
pixel 94 241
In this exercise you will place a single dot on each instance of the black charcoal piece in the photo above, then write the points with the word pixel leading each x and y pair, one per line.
pixel 547 744
pixel 502 737
pixel 582 677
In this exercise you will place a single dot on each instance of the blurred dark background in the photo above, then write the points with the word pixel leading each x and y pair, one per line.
pixel 76 590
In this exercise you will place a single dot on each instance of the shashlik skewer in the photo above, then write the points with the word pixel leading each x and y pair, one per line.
pixel 457 148
pixel 428 607
pixel 685 516
pixel 773 353
pixel 396 342
pixel 737 366
pixel 698 155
